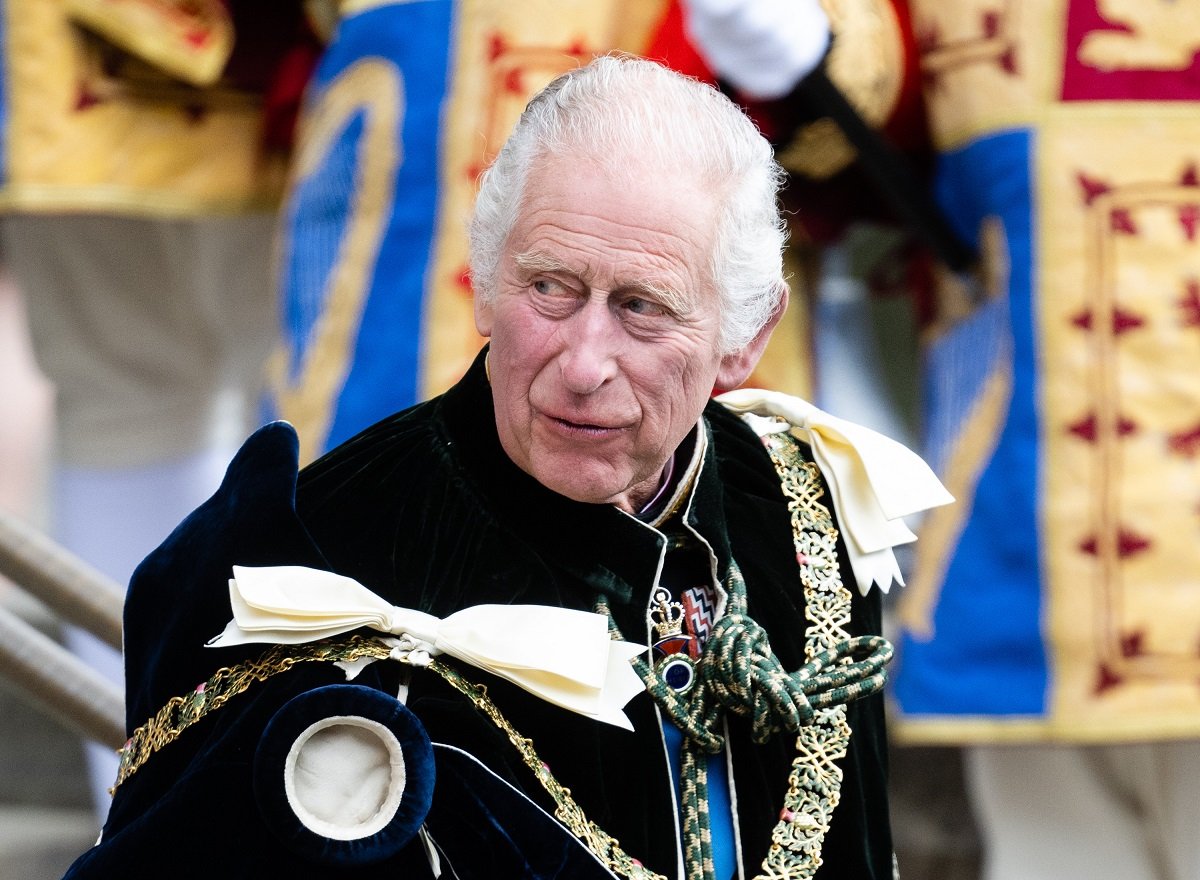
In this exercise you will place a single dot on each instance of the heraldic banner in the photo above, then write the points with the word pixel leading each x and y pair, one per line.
pixel 1059 600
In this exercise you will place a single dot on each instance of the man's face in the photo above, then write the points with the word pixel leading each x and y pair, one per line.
pixel 604 328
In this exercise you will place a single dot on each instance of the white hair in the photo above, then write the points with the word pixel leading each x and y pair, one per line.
pixel 620 109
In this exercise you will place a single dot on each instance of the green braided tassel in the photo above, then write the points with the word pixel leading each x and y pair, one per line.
pixel 738 672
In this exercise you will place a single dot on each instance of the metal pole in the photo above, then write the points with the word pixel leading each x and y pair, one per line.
pixel 66 584
pixel 60 683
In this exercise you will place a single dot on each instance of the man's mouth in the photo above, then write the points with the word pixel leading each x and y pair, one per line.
pixel 582 426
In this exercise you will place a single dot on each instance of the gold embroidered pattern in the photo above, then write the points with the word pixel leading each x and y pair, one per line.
pixel 180 713
pixel 814 785
pixel 603 846
pixel 737 672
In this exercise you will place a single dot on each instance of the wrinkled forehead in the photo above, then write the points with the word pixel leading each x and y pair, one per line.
pixel 655 217
pixel 639 186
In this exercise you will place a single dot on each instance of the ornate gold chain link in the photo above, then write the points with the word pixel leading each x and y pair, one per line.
pixel 602 845
pixel 814 784
pixel 180 713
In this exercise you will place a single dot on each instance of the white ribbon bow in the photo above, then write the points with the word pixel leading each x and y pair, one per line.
pixel 874 480
pixel 561 655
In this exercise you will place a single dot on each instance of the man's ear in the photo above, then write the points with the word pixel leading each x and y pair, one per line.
pixel 736 367
pixel 483 314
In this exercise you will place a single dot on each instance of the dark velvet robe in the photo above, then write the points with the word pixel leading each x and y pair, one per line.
pixel 425 509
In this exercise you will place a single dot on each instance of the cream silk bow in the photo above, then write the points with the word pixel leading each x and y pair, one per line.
pixel 874 480
pixel 563 656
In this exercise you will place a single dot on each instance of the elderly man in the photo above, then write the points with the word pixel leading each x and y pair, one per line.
pixel 574 503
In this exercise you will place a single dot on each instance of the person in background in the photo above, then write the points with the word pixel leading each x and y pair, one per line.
pixel 140 177
pixel 1051 619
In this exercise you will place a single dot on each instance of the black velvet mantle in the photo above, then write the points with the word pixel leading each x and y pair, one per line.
pixel 426 510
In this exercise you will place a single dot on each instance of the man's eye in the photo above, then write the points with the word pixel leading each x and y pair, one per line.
pixel 547 287
pixel 644 307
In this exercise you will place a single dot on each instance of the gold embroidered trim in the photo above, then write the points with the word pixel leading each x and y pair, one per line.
pixel 373 87
pixel 814 784
pixel 180 713
pixel 601 844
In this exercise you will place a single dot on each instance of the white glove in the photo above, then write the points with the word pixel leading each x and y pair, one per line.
pixel 762 47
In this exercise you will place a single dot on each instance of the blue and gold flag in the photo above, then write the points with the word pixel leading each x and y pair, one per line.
pixel 1060 599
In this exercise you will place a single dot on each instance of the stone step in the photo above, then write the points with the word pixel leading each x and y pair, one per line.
pixel 46 815
pixel 40 843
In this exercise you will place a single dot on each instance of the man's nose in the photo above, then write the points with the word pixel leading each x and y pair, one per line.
pixel 589 356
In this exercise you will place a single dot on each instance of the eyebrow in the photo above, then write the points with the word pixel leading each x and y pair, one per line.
pixel 539 261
